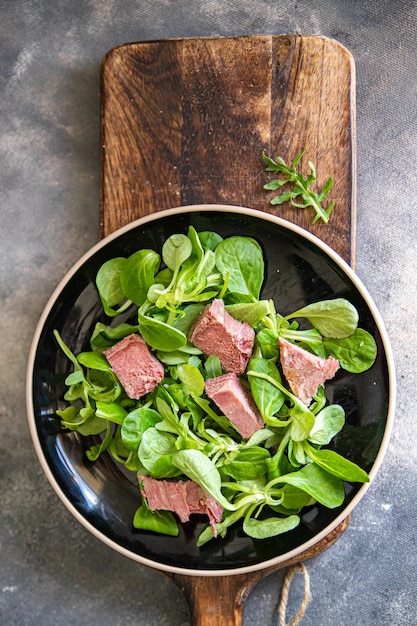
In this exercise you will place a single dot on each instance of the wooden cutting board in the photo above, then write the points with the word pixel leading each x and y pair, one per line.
pixel 185 121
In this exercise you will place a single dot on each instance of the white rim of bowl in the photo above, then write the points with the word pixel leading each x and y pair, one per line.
pixel 391 372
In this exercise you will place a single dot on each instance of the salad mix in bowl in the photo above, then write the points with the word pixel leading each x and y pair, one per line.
pixel 209 394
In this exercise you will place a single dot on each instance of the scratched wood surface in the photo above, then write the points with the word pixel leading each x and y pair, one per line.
pixel 185 121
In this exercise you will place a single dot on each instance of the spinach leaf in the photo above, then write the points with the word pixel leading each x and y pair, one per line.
pixel 209 239
pixel 356 353
pixel 99 383
pixel 318 483
pixel 94 360
pixel 192 378
pixel 269 527
pixel 263 435
pixel 302 422
pixel 75 378
pixel 333 318
pixel 206 265
pixel 134 425
pixel 327 423
pixel 196 246
pixel 268 398
pixel 248 464
pixel 176 357
pixel 232 297
pixel 111 411
pixel 206 261
pixel 168 409
pixel 337 465
pixel 117 448
pixel 267 340
pixel 250 312
pixel 156 452
pixel 293 499
pixel 104 386
pixel 308 339
pixel 179 394
pixel 176 250
pixel 213 366
pixel 159 335
pixel 70 356
pixel 109 287
pixel 104 336
pixel 159 522
pixel 296 453
pixel 94 452
pixel 83 420
pixel 138 274
pixel 240 259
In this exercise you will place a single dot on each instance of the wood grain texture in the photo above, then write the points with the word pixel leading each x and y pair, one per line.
pixel 185 121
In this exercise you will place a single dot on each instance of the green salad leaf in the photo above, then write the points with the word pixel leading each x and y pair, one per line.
pixel 298 187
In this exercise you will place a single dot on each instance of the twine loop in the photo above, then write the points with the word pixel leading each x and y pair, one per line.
pixel 282 607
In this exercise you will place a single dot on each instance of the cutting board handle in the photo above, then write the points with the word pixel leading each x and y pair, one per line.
pixel 220 600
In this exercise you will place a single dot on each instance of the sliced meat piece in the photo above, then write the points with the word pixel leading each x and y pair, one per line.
pixel 235 402
pixel 181 497
pixel 166 496
pixel 215 331
pixel 305 372
pixel 135 366
pixel 199 501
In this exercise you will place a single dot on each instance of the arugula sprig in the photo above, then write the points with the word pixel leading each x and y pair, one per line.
pixel 299 186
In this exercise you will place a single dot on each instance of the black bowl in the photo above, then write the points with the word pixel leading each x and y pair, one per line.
pixel 300 269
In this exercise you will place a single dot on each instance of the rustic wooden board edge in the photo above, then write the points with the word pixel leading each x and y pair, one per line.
pixel 354 207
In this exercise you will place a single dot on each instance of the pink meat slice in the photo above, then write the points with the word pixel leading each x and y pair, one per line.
pixel 236 402
pixel 135 366
pixel 181 497
pixel 305 372
pixel 216 332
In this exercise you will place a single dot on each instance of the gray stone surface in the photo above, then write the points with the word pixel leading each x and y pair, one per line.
pixel 52 571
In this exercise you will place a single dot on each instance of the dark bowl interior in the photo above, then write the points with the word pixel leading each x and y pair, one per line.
pixel 105 497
